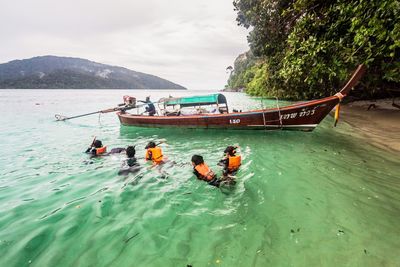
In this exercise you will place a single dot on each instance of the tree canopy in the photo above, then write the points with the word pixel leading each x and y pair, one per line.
pixel 301 49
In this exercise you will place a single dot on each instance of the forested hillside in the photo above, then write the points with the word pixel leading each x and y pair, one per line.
pixel 51 72
pixel 303 49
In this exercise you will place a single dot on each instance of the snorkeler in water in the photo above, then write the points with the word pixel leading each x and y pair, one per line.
pixel 154 153
pixel 231 162
pixel 97 149
pixel 203 172
pixel 130 165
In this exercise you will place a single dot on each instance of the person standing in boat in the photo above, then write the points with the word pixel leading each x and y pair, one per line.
pixel 150 108
pixel 231 162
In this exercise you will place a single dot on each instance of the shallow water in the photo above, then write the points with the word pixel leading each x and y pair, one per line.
pixel 325 198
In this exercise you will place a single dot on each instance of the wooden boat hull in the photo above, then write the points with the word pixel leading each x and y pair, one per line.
pixel 303 116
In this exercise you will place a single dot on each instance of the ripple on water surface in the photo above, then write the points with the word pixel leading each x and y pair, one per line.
pixel 303 199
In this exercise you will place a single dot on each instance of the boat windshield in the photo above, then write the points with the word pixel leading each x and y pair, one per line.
pixel 216 104
pixel 194 101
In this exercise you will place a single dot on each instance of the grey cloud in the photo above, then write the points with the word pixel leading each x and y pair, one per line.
pixel 188 42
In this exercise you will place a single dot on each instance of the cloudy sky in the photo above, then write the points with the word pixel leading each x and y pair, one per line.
pixel 190 42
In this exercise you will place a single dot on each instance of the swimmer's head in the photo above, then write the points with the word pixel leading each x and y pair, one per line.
pixel 150 145
pixel 97 144
pixel 231 150
pixel 130 151
pixel 196 160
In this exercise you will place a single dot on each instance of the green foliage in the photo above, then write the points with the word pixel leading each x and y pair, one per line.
pixel 255 85
pixel 306 49
pixel 241 73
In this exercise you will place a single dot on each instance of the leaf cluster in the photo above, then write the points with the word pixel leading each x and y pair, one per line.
pixel 304 49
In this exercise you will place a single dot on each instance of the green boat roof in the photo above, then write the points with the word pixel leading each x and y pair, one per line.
pixel 196 100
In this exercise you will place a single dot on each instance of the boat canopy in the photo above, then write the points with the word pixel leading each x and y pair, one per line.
pixel 196 100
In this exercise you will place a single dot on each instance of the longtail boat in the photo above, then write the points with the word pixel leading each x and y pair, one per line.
pixel 299 116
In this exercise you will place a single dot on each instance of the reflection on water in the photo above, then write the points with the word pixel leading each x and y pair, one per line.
pixel 324 198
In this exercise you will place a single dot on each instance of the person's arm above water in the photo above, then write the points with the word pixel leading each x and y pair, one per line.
pixel 226 164
pixel 223 162
pixel 91 150
pixel 148 155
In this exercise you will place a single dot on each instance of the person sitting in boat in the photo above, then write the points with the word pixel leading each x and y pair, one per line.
pixel 96 148
pixel 130 165
pixel 154 153
pixel 150 108
pixel 231 162
pixel 203 172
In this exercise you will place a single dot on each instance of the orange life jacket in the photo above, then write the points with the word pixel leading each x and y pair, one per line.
pixel 206 173
pixel 234 162
pixel 101 150
pixel 156 154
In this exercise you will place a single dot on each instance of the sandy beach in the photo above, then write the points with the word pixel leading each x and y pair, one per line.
pixel 380 125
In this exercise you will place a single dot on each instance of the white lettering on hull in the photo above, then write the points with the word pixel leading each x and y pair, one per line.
pixel 303 113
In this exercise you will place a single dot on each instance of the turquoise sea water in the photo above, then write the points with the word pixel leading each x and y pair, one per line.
pixel 325 198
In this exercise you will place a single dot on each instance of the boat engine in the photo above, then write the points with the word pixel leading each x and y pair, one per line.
pixel 129 101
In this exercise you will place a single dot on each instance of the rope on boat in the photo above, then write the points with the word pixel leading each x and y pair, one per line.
pixel 265 124
pixel 337 110
pixel 340 96
pixel 279 112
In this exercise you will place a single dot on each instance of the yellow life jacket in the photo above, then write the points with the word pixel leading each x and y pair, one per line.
pixel 155 153
pixel 101 150
pixel 206 173
pixel 234 162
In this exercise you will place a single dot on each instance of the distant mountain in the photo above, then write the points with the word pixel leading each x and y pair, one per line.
pixel 51 72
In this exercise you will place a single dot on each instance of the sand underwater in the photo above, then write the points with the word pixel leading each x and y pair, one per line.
pixel 325 198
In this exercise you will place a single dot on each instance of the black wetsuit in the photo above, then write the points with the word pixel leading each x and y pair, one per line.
pixel 132 162
pixel 130 166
